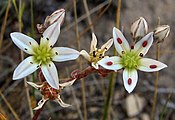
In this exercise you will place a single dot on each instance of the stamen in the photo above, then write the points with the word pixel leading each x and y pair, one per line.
pixel 129 81
pixel 25 48
pixel 119 40
pixel 30 43
pixel 94 54
pixel 31 62
pixel 47 38
pixel 123 52
pixel 141 54
pixel 109 63
pixel 153 66
pixel 144 44
pixel 56 53
pixel 49 65
pixel 42 36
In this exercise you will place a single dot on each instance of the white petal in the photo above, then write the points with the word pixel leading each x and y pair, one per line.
pixel 50 73
pixel 107 45
pixel 111 63
pixel 69 83
pixel 93 43
pixel 120 42
pixel 40 104
pixel 52 33
pixel 143 45
pixel 150 65
pixel 34 85
pixel 130 78
pixel 57 16
pixel 26 67
pixel 85 55
pixel 62 103
pixel 24 42
pixel 95 65
pixel 65 54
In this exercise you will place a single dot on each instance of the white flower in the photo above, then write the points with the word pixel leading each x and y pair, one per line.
pixel 96 54
pixel 131 59
pixel 161 32
pixel 139 28
pixel 50 93
pixel 42 55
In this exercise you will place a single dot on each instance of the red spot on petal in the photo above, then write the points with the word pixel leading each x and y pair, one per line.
pixel 129 81
pixel 132 47
pixel 153 66
pixel 119 40
pixel 144 44
pixel 109 63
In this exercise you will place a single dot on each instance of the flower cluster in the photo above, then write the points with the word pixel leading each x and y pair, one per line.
pixel 42 55
pixel 130 58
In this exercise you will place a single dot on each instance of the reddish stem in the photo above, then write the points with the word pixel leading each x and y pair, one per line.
pixel 76 74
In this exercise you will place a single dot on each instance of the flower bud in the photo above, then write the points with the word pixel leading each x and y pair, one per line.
pixel 57 16
pixel 161 32
pixel 139 29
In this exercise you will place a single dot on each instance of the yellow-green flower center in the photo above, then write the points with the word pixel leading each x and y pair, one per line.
pixel 43 53
pixel 130 60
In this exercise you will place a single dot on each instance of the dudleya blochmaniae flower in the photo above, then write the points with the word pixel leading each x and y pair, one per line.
pixel 42 55
pixel 96 54
pixel 131 59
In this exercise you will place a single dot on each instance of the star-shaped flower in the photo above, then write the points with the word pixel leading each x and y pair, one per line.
pixel 42 55
pixel 49 93
pixel 96 54
pixel 131 59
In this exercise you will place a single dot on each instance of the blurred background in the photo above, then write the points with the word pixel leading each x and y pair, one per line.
pixel 124 106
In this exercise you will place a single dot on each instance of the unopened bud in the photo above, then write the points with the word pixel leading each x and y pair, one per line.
pixel 161 32
pixel 139 29
pixel 57 16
